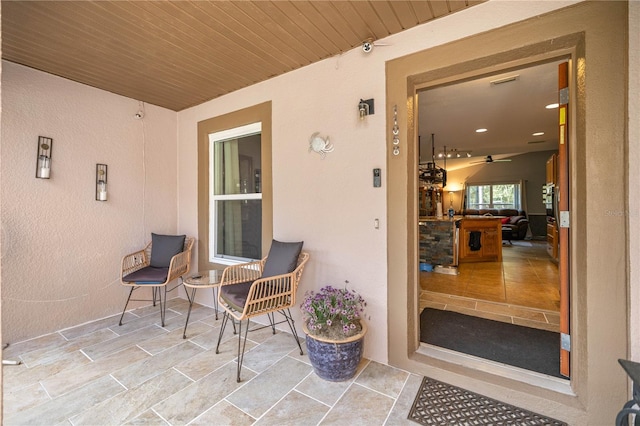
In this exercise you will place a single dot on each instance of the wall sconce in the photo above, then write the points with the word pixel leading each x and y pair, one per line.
pixel 43 162
pixel 101 182
pixel 365 108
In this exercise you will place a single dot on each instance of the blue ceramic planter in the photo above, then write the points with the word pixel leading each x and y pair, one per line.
pixel 335 361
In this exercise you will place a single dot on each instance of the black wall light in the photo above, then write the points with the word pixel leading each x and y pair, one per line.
pixel 365 108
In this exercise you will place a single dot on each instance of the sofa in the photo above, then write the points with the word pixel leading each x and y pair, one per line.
pixel 514 222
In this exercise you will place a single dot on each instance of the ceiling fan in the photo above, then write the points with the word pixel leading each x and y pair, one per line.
pixel 489 159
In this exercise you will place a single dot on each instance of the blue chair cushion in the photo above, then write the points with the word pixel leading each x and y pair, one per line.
pixel 148 275
pixel 164 247
pixel 236 294
pixel 282 258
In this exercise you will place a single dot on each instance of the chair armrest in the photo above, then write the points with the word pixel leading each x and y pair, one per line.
pixel 179 265
pixel 274 293
pixel 134 261
pixel 242 272
pixel 270 294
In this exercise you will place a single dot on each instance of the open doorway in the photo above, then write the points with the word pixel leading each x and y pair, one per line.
pixel 488 150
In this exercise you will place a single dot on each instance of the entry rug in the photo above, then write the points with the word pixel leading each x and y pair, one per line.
pixel 523 347
pixel 439 404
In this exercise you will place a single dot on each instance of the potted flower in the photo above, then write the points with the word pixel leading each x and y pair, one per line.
pixel 332 320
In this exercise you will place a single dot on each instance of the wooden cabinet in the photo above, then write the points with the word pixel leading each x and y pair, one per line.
pixel 552 241
pixel 552 166
pixel 486 230
pixel 428 201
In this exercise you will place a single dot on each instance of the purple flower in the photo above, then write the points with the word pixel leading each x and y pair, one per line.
pixel 332 308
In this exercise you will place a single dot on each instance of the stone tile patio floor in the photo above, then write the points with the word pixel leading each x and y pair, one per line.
pixel 100 373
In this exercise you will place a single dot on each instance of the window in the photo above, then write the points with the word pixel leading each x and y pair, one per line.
pixel 235 224
pixel 494 196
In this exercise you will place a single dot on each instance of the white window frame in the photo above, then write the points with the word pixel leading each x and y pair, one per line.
pixel 221 136
pixel 517 197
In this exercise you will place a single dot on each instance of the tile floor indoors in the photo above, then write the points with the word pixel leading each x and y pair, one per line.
pixel 100 373
pixel 523 289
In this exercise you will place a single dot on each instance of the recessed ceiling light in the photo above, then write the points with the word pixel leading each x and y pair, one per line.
pixel 537 134
pixel 481 130
pixel 552 106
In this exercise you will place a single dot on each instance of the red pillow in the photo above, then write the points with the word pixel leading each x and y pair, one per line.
pixel 505 220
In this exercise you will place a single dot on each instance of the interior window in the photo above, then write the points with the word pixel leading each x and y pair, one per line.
pixel 494 196
pixel 235 225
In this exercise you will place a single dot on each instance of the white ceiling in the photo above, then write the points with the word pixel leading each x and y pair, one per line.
pixel 511 112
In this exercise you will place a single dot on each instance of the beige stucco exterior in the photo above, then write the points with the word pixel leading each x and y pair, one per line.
pixel 61 248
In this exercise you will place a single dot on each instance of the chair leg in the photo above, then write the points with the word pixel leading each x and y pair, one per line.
pixel 292 326
pixel 272 320
pixel 244 344
pixel 241 342
pixel 225 318
pixel 163 306
pixel 125 305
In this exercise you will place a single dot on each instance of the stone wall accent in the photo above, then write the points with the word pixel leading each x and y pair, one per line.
pixel 436 242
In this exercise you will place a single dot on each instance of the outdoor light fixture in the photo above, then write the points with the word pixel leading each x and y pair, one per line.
pixel 43 162
pixel 101 182
pixel 365 108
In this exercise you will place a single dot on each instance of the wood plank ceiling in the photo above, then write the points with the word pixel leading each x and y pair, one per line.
pixel 177 54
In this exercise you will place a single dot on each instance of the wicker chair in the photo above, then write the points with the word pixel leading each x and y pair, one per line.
pixel 148 269
pixel 245 293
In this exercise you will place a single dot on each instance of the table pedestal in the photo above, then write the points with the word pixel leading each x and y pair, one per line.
pixel 208 279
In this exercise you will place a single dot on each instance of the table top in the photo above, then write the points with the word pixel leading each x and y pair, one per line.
pixel 204 278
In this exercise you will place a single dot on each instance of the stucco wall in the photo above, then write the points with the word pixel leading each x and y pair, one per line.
pixel 331 204
pixel 61 249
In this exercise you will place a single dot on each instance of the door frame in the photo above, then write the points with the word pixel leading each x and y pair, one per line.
pixel 423 82
pixel 599 326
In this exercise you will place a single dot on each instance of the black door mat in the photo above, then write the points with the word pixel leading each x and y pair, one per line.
pixel 523 347
pixel 438 404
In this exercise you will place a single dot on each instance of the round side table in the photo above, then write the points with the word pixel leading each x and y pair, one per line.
pixel 205 279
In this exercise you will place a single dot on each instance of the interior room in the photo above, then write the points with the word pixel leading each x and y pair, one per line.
pixel 114 105
pixel 477 172
pixel 494 185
